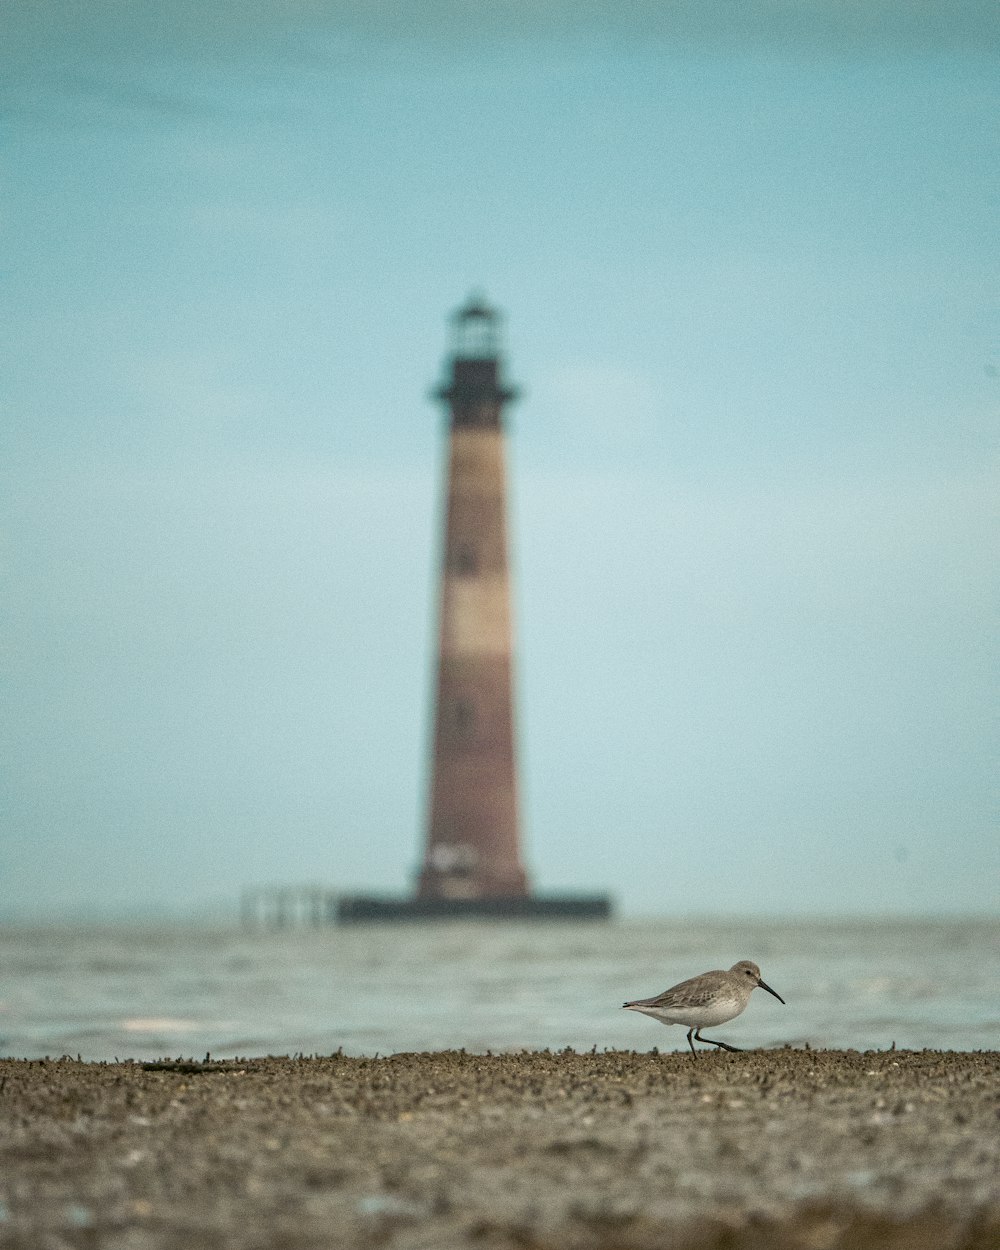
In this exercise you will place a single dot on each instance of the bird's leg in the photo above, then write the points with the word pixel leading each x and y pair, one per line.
pixel 691 1044
pixel 711 1041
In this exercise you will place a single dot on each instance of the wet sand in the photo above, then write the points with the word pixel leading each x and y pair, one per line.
pixel 811 1150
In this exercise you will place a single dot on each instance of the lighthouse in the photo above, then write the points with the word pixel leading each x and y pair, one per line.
pixel 473 826
pixel 472 866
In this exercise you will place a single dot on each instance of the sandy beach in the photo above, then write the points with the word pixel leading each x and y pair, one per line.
pixel 544 1151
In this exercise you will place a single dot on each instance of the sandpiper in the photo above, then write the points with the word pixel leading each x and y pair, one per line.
pixel 712 998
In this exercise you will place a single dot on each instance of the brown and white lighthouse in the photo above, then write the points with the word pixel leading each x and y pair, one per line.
pixel 472 866
pixel 473 840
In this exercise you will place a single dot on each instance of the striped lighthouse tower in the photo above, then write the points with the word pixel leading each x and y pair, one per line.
pixel 473 843
pixel 472 865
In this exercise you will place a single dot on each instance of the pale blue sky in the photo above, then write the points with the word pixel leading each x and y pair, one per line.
pixel 749 257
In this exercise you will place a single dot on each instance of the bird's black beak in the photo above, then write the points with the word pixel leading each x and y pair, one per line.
pixel 774 992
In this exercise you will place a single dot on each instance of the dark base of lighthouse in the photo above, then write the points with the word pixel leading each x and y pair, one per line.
pixel 365 909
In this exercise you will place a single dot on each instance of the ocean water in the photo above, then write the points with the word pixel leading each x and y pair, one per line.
pixel 145 993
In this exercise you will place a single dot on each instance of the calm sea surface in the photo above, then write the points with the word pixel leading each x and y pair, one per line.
pixel 146 993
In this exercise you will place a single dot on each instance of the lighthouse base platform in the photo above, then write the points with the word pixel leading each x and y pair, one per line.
pixel 372 909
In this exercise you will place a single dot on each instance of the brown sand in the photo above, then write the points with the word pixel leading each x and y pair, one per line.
pixel 812 1150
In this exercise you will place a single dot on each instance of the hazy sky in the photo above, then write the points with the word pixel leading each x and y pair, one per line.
pixel 749 258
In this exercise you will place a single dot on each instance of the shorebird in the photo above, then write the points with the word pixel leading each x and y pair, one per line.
pixel 712 998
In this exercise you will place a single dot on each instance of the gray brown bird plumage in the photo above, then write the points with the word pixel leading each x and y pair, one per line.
pixel 712 998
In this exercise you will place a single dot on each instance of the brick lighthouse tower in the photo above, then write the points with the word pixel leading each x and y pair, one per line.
pixel 472 864
pixel 473 844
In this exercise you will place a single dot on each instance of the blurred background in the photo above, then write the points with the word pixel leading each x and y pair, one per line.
pixel 749 258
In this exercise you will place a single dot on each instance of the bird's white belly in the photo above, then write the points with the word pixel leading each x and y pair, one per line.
pixel 702 1016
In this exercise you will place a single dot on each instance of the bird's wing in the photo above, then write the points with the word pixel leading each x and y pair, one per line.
pixel 690 993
